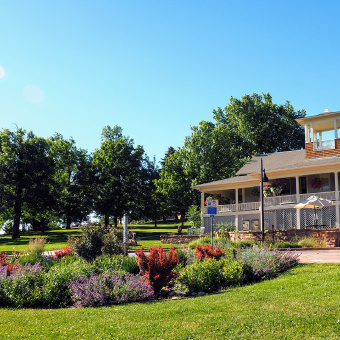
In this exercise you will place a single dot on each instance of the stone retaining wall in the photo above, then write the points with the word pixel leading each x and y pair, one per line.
pixel 330 235
pixel 178 239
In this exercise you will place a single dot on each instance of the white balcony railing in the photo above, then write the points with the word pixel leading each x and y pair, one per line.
pixel 272 201
pixel 324 145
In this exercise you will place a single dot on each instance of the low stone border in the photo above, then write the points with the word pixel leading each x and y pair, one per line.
pixel 178 239
pixel 331 236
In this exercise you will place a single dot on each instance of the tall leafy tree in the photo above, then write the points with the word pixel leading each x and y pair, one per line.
pixel 208 153
pixel 118 166
pixel 168 153
pixel 256 125
pixel 175 184
pixel 25 174
pixel 72 180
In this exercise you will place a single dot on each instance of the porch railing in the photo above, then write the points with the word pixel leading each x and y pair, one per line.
pixel 272 201
pixel 324 145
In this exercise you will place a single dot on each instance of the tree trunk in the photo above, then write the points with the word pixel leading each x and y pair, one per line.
pixel 155 222
pixel 35 225
pixel 106 221
pixel 17 214
pixel 68 222
pixel 116 221
pixel 182 218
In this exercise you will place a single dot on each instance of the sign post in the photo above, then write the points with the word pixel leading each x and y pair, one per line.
pixel 212 211
pixel 125 234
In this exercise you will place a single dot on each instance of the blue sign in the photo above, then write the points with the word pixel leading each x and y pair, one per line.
pixel 212 210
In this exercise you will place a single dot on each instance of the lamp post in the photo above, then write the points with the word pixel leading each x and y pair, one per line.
pixel 264 178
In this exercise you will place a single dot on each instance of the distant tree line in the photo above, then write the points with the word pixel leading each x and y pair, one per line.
pixel 44 180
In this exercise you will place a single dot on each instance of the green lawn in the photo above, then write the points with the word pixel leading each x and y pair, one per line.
pixel 147 236
pixel 56 239
pixel 301 304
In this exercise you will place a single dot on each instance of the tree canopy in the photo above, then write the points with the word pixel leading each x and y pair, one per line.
pixel 51 179
pixel 117 165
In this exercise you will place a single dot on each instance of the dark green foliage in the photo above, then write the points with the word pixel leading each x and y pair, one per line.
pixel 97 240
pixel 175 185
pixel 256 125
pixel 118 168
pixel 26 170
pixel 73 180
pixel 130 265
pixel 117 263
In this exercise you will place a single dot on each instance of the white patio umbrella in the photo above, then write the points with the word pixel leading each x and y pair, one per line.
pixel 314 202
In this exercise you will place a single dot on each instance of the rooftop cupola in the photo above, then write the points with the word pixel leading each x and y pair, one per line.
pixel 325 122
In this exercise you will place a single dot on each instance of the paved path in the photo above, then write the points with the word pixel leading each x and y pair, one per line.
pixel 320 256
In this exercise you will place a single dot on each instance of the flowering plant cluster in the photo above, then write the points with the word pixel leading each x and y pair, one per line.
pixel 266 191
pixel 276 184
pixel 217 196
pixel 109 289
pixel 276 188
pixel 316 183
pixel 264 263
pixel 62 252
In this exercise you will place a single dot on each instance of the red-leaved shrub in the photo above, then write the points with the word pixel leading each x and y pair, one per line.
pixel 208 252
pixel 157 266
pixel 4 261
pixel 62 252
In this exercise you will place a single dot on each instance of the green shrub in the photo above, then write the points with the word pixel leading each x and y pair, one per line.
pixel 95 241
pixel 232 272
pixel 244 244
pixel 311 242
pixel 114 264
pixel 194 217
pixel 288 245
pixel 130 265
pixel 223 242
pixel 211 275
pixel 56 291
pixel 185 256
pixel 22 286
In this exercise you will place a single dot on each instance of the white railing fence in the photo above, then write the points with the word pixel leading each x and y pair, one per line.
pixel 272 201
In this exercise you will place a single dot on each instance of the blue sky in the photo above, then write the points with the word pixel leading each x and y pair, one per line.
pixel 157 67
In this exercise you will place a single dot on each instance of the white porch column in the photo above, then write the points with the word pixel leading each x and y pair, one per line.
pixel 298 211
pixel 202 208
pixel 312 133
pixel 335 129
pixel 337 213
pixel 243 195
pixel 306 134
pixel 236 198
pixel 320 137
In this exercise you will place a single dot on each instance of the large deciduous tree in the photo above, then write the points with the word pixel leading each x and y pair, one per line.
pixel 256 125
pixel 175 185
pixel 72 180
pixel 118 166
pixel 26 170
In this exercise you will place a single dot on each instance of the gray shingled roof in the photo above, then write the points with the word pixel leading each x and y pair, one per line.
pixel 283 161
pixel 235 179
pixel 274 162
